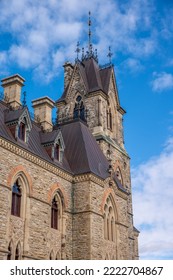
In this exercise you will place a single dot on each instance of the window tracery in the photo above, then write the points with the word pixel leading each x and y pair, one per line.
pixel 110 217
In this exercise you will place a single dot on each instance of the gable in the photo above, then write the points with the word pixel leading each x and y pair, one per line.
pixel 77 85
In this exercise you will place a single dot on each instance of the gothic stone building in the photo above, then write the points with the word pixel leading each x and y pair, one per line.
pixel 65 189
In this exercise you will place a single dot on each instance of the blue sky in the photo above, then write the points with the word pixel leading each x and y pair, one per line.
pixel 37 37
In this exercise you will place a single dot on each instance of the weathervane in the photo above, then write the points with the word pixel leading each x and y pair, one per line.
pixel 110 55
pixel 77 50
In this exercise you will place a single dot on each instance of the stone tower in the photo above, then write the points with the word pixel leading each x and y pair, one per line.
pixel 91 94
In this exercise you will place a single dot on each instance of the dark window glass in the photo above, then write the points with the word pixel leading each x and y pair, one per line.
pixel 107 119
pixel 56 151
pixel 110 116
pixel 17 253
pixel 78 98
pixel 9 252
pixel 16 200
pixel 21 132
pixel 54 214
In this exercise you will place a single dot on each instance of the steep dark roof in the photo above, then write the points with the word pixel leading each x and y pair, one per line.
pixel 48 137
pixel 81 155
pixel 13 115
pixel 94 77
pixel 34 143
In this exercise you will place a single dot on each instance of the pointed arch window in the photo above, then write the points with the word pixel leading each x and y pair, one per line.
pixel 51 256
pixel 16 199
pixel 119 175
pixel 22 131
pixel 54 214
pixel 79 109
pixel 57 151
pixel 110 217
pixel 58 256
pixel 9 256
pixel 17 252
pixel 109 119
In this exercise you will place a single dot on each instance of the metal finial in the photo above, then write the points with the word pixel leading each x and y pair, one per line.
pixel 77 50
pixel 83 54
pixel 24 99
pixel 110 55
pixel 89 34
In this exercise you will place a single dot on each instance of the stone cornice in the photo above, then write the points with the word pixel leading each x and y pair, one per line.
pixel 113 144
pixel 34 159
pixel 88 177
pixel 97 93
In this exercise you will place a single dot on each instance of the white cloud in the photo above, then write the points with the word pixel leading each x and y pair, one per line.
pixel 133 64
pixel 153 204
pixel 3 63
pixel 162 81
pixel 41 28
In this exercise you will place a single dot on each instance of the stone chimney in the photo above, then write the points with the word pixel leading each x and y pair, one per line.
pixel 68 71
pixel 12 90
pixel 43 112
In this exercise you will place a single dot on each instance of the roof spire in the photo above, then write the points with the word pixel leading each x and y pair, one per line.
pixel 83 54
pixel 77 51
pixel 110 55
pixel 89 34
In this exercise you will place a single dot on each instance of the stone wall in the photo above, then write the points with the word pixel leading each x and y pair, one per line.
pixel 33 230
pixel 82 232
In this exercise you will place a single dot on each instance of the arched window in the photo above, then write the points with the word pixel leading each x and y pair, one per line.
pixel 119 175
pixel 57 151
pixel 22 131
pixel 51 256
pixel 112 229
pixel 57 211
pixel 54 213
pixel 16 199
pixel 110 217
pixel 9 256
pixel 79 109
pixel 17 252
pixel 109 119
pixel 58 256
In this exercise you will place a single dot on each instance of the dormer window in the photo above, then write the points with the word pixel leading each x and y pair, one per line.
pixel 55 147
pixel 19 123
pixel 57 152
pixel 22 131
